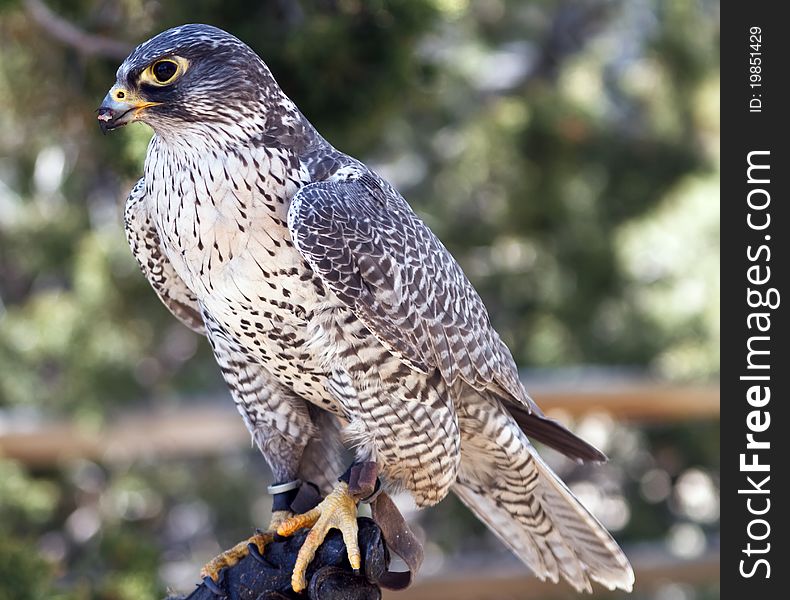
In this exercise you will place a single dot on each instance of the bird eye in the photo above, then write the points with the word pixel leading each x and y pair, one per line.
pixel 164 70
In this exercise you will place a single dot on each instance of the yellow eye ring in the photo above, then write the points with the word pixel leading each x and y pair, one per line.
pixel 164 71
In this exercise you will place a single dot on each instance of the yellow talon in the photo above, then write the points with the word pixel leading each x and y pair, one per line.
pixel 240 550
pixel 337 511
pixel 230 557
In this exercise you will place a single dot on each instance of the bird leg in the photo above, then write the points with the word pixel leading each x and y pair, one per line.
pixel 278 518
pixel 337 511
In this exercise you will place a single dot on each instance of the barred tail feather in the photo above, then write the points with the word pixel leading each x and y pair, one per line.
pixel 552 433
pixel 509 487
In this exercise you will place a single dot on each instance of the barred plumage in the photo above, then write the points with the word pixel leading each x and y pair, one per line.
pixel 329 304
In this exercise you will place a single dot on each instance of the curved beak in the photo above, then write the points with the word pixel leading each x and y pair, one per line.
pixel 120 107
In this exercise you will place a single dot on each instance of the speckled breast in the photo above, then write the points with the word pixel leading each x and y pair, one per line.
pixel 222 222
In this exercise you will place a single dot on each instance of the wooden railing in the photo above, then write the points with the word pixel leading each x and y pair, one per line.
pixel 209 427
pixel 653 569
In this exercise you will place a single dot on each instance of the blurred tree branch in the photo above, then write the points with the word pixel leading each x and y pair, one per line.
pixel 69 34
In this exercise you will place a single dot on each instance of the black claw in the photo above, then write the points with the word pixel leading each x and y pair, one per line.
pixel 213 587
pixel 256 554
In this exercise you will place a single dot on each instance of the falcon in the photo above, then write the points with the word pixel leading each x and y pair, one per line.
pixel 338 319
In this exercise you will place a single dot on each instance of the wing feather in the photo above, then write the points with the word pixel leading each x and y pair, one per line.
pixel 379 258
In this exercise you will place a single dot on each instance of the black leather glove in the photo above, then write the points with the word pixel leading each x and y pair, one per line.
pixel 268 577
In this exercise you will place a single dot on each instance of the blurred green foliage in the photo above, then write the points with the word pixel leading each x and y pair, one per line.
pixel 566 153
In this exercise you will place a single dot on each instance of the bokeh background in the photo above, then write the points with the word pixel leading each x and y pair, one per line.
pixel 567 152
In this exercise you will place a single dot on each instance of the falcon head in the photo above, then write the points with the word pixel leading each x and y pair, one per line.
pixel 187 75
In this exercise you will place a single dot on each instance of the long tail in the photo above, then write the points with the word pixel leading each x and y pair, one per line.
pixel 552 433
pixel 509 487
